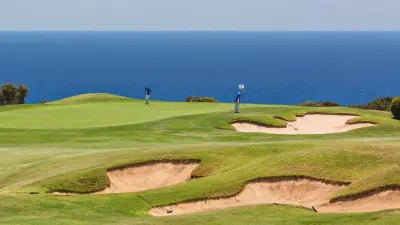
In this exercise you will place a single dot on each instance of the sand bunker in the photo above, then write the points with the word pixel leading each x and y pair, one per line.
pixel 381 201
pixel 139 178
pixel 146 176
pixel 308 124
pixel 302 192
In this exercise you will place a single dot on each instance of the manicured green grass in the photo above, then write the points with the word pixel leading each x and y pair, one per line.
pixel 68 145
pixel 92 97
pixel 98 112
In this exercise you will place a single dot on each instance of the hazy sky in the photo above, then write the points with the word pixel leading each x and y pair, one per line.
pixel 199 14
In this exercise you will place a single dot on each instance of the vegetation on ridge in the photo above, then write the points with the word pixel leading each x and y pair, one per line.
pixel 319 104
pixel 395 108
pixel 377 104
pixel 200 99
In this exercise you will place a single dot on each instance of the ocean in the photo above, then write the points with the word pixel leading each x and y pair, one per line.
pixel 275 67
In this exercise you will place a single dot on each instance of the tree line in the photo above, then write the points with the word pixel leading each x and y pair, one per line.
pixel 11 94
pixel 382 104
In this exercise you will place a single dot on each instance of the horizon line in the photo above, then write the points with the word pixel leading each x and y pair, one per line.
pixel 221 30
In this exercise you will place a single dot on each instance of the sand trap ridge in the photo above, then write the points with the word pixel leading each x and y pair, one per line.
pixel 151 176
pixel 302 192
pixel 146 176
pixel 308 124
pixel 384 200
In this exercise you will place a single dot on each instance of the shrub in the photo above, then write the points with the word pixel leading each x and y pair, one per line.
pixel 377 104
pixel 208 99
pixel 22 94
pixel 10 93
pixel 395 107
pixel 43 102
pixel 329 104
pixel 1 98
pixel 189 98
pixel 319 104
pixel 200 99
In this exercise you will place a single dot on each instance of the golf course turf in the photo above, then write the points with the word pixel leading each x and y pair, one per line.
pixel 70 145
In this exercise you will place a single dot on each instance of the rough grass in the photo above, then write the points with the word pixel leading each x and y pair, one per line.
pixel 273 160
pixel 70 146
pixel 386 179
pixel 84 182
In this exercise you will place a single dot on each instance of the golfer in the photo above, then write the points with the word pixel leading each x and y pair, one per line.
pixel 237 101
pixel 147 93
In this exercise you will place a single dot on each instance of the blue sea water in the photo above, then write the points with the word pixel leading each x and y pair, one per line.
pixel 276 67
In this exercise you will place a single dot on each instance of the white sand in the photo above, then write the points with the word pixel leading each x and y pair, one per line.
pixel 309 124
pixel 302 192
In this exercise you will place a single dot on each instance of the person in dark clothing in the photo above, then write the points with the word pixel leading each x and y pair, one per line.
pixel 147 93
pixel 237 101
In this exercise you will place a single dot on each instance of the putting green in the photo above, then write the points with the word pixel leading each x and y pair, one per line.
pixel 99 111
pixel 69 145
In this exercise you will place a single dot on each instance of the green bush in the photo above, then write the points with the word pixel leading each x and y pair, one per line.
pixel 395 107
pixel 1 98
pixel 11 94
pixel 208 99
pixel 43 102
pixel 319 104
pixel 200 99
pixel 382 104
pixel 22 93
pixel 189 98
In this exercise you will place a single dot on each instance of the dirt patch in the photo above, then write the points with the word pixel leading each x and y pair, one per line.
pixel 146 176
pixel 307 124
pixel 301 192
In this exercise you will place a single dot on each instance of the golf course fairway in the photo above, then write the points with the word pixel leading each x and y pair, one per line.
pixel 107 159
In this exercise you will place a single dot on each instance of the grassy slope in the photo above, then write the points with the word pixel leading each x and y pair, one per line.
pixel 97 111
pixel 92 97
pixel 74 159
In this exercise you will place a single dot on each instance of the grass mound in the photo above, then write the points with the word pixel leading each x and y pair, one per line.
pixel 83 183
pixel 91 97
